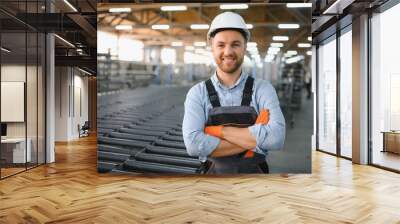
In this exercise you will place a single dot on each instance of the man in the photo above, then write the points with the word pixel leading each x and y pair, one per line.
pixel 231 119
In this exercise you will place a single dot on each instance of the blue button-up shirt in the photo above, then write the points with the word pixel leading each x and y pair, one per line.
pixel 197 105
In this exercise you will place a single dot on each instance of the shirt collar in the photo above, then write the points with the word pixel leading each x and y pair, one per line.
pixel 215 80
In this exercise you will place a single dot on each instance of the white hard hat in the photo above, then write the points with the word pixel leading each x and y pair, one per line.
pixel 228 20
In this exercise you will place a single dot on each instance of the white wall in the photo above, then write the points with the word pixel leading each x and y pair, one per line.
pixel 62 98
pixel 12 100
pixel 327 97
pixel 70 83
pixel 14 73
pixel 33 126
pixel 80 84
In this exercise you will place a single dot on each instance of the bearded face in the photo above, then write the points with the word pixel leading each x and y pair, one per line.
pixel 228 48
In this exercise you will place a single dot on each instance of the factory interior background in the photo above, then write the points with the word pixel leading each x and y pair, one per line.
pixel 151 54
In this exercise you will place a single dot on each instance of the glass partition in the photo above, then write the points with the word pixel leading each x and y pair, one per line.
pixel 14 145
pixel 22 89
pixel 385 89
pixel 346 93
pixel 327 96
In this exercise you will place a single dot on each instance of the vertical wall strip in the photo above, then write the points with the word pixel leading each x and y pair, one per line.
pixel 73 91
pixel 37 91
pixel 69 92
pixel 338 77
pixel 26 85
pixel 317 97
pixel 369 96
pixel 60 76
pixel 45 89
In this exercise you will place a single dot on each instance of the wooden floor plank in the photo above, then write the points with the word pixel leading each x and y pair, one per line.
pixel 71 191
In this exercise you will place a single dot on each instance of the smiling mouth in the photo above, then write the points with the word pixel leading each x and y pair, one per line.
pixel 228 60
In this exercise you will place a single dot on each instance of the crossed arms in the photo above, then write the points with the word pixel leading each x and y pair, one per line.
pixel 259 137
pixel 235 140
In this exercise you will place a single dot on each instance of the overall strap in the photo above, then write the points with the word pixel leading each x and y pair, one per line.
pixel 247 91
pixel 212 94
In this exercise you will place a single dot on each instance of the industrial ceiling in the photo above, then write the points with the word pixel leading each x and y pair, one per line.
pixel 264 18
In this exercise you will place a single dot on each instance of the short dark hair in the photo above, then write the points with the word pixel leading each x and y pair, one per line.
pixel 212 34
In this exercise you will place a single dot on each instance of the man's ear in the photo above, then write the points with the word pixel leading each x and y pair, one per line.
pixel 210 41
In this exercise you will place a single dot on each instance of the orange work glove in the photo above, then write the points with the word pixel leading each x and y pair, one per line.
pixel 262 118
pixel 215 131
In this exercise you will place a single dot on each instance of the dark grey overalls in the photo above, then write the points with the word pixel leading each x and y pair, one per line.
pixel 234 116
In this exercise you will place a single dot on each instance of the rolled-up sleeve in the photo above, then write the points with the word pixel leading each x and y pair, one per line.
pixel 272 135
pixel 196 141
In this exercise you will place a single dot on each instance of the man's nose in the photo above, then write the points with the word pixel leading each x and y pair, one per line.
pixel 228 50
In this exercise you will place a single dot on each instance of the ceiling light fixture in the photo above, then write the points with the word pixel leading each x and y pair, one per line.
pixel 280 38
pixel 274 49
pixel 64 40
pixel 123 27
pixel 5 50
pixel 276 44
pixel 299 5
pixel 304 45
pixel 288 26
pixel 119 10
pixel 294 59
pixel 337 7
pixel 291 52
pixel 70 5
pixel 233 6
pixel 174 8
pixel 199 26
pixel 84 71
pixel 160 27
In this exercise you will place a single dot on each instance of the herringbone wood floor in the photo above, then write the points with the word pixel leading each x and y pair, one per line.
pixel 71 191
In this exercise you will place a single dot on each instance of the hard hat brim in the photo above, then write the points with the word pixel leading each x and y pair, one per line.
pixel 244 32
